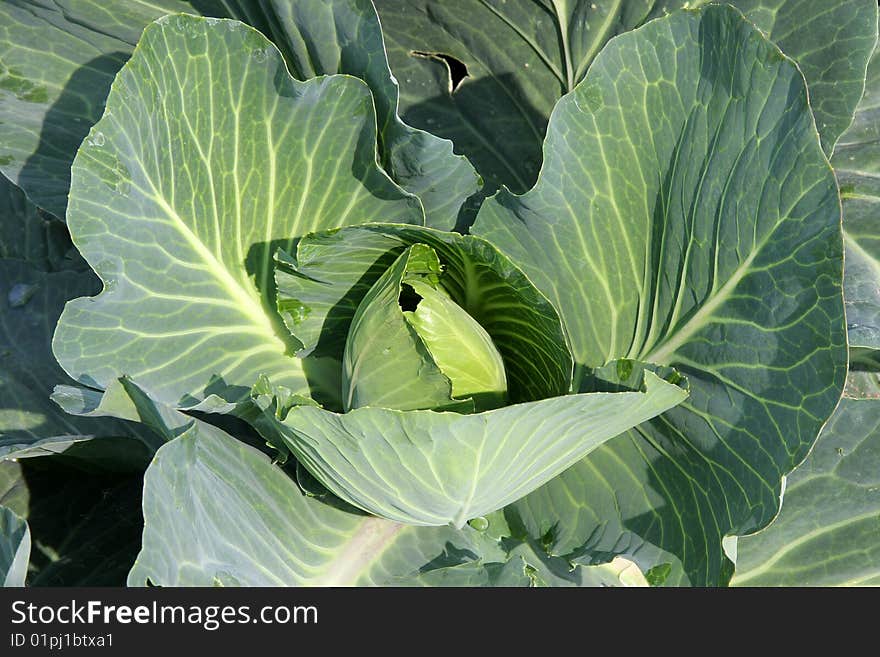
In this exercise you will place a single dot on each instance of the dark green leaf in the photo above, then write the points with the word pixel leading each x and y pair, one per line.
pixel 85 526
pixel 27 234
pixel 687 216
pixel 857 165
pixel 319 37
pixel 29 420
pixel 498 114
pixel 827 532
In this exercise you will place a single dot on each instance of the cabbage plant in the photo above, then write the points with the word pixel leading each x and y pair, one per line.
pixel 347 293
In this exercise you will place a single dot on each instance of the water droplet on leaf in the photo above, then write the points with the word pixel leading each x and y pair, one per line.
pixel 479 523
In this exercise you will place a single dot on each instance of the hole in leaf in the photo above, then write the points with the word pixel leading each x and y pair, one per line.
pixel 455 68
pixel 409 298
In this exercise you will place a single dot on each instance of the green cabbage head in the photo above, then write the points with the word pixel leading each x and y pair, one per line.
pixel 454 391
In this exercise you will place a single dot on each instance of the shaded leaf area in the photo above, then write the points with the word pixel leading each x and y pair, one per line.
pixel 210 158
pixel 57 64
pixel 857 165
pixel 85 525
pixel 687 216
pixel 498 114
pixel 125 400
pixel 826 533
pixel 220 512
pixel 31 302
pixel 27 233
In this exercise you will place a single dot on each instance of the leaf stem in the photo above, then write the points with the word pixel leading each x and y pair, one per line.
pixel 562 18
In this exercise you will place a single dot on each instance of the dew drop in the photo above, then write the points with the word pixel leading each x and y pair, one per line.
pixel 260 54
pixel 97 139
pixel 298 312
pixel 479 523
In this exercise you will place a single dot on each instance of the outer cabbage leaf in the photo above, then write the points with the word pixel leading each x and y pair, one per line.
pixel 29 422
pixel 208 158
pixel 529 565
pixel 498 114
pixel 437 468
pixel 57 61
pixel 344 36
pixel 219 512
pixel 459 556
pixel 857 165
pixel 15 548
pixel 686 215
pixel 27 234
pixel 826 533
